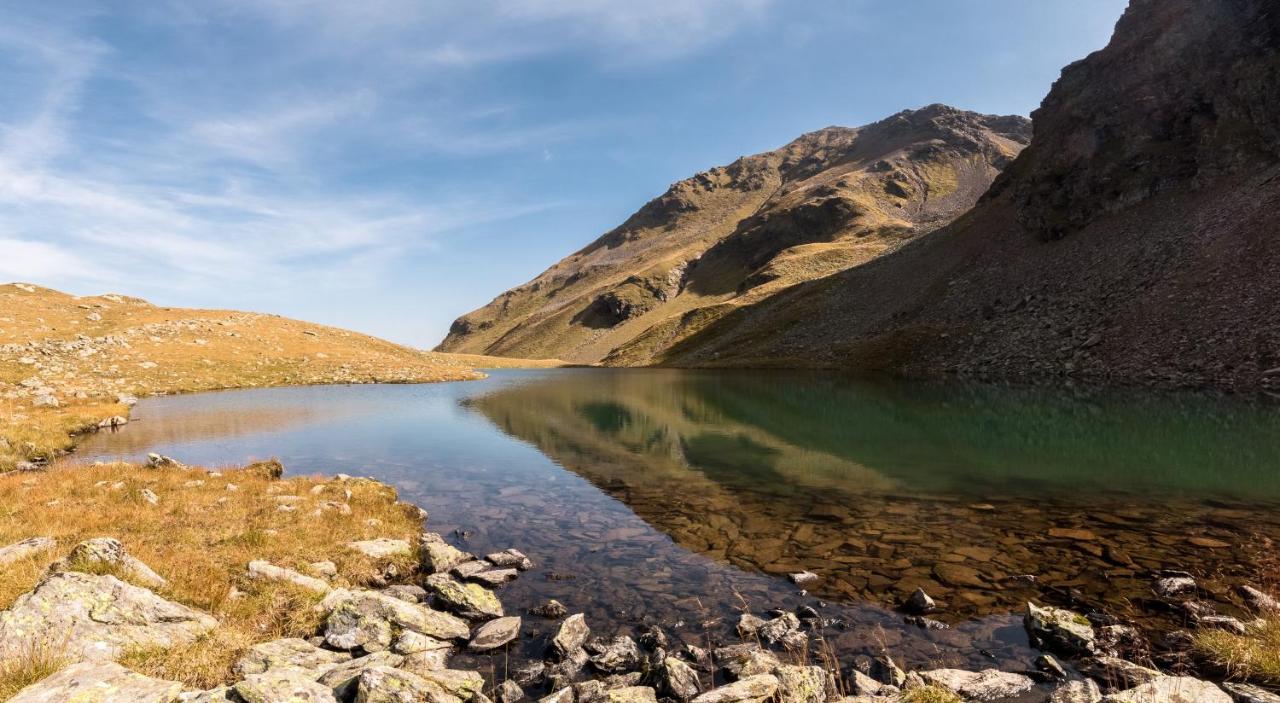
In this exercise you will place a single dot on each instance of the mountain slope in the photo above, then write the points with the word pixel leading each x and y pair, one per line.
pixel 1134 240
pixel 65 360
pixel 733 235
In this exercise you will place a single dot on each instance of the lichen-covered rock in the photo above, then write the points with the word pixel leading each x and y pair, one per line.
pixel 369 620
pixel 494 634
pixel 290 652
pixel 381 548
pixel 283 685
pixel 804 684
pixel 409 642
pixel 343 679
pixel 97 616
pixel 460 683
pixel 1085 691
pixel 109 552
pixel 438 556
pixel 753 689
pixel 618 655
pixel 221 694
pixel 630 694
pixel 679 679
pixel 745 660
pixel 470 600
pixel 384 684
pixel 269 572
pixel 1060 630
pixel 988 685
pixel 570 636
pixel 25 548
pixel 99 682
pixel 1171 689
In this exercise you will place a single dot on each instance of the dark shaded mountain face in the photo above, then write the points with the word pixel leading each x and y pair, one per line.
pixel 736 235
pixel 1135 240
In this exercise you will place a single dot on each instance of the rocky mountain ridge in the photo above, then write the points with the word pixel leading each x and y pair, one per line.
pixel 726 237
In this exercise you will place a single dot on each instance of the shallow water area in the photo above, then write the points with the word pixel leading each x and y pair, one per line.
pixel 681 498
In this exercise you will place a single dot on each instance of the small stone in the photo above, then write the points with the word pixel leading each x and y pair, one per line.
pixel 1248 693
pixel 323 569
pixel 269 572
pixel 26 548
pixel 1059 629
pixel 920 603
pixel 748 625
pixel 494 634
pixel 510 692
pixel 564 695
pixel 1085 691
pixel 344 678
pixel 406 592
pixel 510 558
pixel 1173 586
pixel 777 629
pixel 1254 598
pixel 804 684
pixel 617 656
pixel 438 556
pixel 803 577
pixel 551 610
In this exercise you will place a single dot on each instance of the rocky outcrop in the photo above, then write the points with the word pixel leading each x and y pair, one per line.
pixel 99 682
pixel 97 616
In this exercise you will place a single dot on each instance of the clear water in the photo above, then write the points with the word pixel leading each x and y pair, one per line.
pixel 680 498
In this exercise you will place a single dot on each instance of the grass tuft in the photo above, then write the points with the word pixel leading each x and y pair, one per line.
pixel 1254 656
pixel 930 694
pixel 38 662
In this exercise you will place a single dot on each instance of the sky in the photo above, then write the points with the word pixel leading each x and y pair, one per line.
pixel 387 165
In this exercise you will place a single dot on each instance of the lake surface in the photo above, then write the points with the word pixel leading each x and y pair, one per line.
pixel 680 498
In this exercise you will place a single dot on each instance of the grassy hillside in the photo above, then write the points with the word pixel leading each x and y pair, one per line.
pixel 69 363
pixel 728 237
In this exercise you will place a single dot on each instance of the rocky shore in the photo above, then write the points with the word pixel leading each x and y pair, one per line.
pixel 431 625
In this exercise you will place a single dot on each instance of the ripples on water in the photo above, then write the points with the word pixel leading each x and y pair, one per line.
pixel 680 498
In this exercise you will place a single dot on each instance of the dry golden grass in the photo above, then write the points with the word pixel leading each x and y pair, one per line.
pixel 1253 657
pixel 90 350
pixel 930 694
pixel 200 537
pixel 35 664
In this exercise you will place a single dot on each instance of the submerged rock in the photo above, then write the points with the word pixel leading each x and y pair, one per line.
pixel 551 610
pixel 99 682
pixel 97 616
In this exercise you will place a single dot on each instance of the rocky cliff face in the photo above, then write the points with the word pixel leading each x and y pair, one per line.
pixel 1134 240
pixel 734 235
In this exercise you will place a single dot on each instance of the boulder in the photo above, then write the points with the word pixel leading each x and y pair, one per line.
pixel 753 689
pixel 1171 689
pixel 283 685
pixel 679 679
pixel 99 552
pixel 1060 630
pixel 617 656
pixel 98 682
pixel 384 684
pixel 369 620
pixel 437 556
pixel 571 635
pixel 26 548
pixel 494 634
pixel 344 678
pixel 804 684
pixel 95 616
pixel 470 600
pixel 265 571
pixel 987 685
pixel 290 652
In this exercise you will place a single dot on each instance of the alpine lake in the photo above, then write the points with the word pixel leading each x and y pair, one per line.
pixel 684 498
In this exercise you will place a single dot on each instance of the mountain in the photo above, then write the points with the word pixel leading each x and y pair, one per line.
pixel 1134 240
pixel 735 235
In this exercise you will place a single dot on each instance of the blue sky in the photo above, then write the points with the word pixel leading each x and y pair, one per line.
pixel 387 165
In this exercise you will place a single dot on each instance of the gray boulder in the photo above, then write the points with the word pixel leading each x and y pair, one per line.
pixel 97 616
pixel 283 685
pixel 1060 630
pixel 679 679
pixel 290 652
pixel 987 685
pixel 437 556
pixel 369 620
pixel 384 684
pixel 617 656
pixel 343 679
pixel 99 682
pixel 570 636
pixel 494 634
pixel 804 684
pixel 470 600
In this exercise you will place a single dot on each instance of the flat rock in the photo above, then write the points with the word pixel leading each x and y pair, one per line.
pixel 97 616
pixel 495 577
pixel 570 636
pixel 289 652
pixel 384 684
pixel 1059 629
pixel 25 548
pixel 510 558
pixel 987 685
pixel 409 642
pixel 99 682
pixel 470 600
pixel 1171 689
pixel 381 548
pixel 369 620
pixel 266 571
pixel 753 689
pixel 1076 692
pixel 284 685
pixel 494 634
